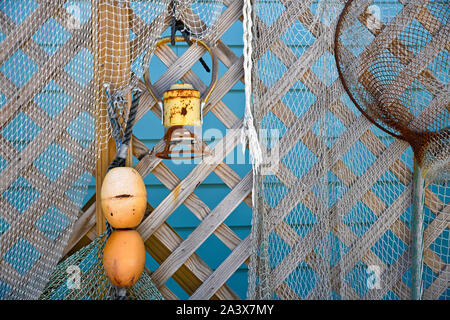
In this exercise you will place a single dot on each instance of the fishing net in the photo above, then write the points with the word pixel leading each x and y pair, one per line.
pixel 81 277
pixel 399 81
pixel 126 31
pixel 59 61
pixel 290 100
pixel 333 200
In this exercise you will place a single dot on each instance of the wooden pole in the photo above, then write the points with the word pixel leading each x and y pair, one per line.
pixel 111 46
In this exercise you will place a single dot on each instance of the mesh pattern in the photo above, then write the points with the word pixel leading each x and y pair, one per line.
pixel 333 218
pixel 124 31
pixel 46 138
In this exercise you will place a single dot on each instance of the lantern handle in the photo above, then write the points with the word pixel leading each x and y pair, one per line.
pixel 214 73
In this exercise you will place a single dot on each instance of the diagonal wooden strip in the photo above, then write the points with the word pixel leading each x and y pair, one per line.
pixel 306 183
pixel 348 178
pixel 25 221
pixel 390 31
pixel 39 79
pixel 284 21
pixel 9 212
pixel 390 276
pixel 7 151
pixel 42 140
pixel 402 290
pixel 192 202
pixel 190 275
pixel 438 286
pixel 65 19
pixel 203 231
pixel 218 278
pixel 85 222
pixel 299 251
pixel 286 293
pixel 361 186
pixel 6 85
pixel 226 82
pixel 193 267
pixel 437 226
pixel 383 223
pixel 348 197
pixel 296 70
pixel 400 171
pixel 39 56
pixel 187 186
pixel 400 50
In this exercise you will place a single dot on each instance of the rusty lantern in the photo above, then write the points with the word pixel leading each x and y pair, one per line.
pixel 182 111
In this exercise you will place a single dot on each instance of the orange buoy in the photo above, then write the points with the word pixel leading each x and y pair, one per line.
pixel 123 197
pixel 124 257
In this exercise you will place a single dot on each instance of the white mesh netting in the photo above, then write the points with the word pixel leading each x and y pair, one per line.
pixel 56 57
pixel 333 214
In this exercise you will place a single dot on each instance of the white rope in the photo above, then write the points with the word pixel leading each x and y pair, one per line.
pixel 249 133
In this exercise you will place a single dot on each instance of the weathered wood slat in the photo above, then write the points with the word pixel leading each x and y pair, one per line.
pixel 24 226
pixel 203 231
pixel 177 257
pixel 223 272
pixel 192 202
pixel 190 275
pixel 390 277
pixel 39 79
pixel 42 140
pixel 363 244
pixel 298 192
pixel 25 222
pixel 193 272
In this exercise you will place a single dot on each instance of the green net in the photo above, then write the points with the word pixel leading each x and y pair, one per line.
pixel 81 277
